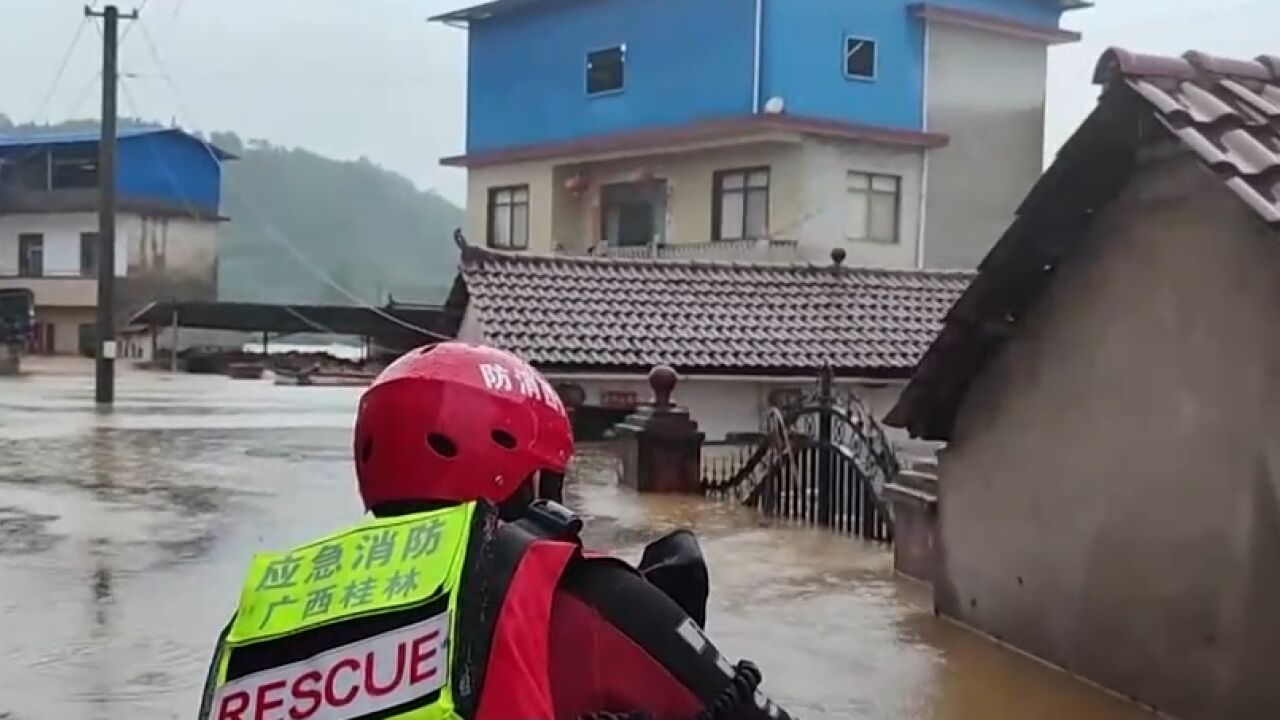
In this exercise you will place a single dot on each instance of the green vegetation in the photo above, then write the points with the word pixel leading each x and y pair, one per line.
pixel 370 230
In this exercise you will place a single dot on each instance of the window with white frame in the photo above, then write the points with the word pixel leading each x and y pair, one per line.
pixel 860 58
pixel 873 203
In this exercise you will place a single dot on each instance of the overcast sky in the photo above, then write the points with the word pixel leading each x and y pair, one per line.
pixel 348 78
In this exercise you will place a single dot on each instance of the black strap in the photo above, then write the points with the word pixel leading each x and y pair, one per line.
pixel 211 677
pixel 549 520
pixel 739 695
pixel 498 549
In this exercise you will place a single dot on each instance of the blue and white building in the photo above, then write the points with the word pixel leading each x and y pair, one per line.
pixel 903 132
pixel 169 194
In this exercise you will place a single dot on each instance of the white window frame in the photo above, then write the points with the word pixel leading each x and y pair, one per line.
pixel 846 51
pixel 870 192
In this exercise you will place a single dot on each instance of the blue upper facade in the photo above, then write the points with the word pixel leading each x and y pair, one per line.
pixel 693 60
pixel 166 169
pixel 527 69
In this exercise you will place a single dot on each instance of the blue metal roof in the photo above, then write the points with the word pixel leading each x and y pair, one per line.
pixel 81 137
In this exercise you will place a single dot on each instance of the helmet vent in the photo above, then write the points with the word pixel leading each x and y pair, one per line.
pixel 504 439
pixel 366 450
pixel 442 446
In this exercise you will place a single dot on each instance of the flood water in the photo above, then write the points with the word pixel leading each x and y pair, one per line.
pixel 123 536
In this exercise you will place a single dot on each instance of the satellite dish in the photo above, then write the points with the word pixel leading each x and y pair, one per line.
pixel 774 105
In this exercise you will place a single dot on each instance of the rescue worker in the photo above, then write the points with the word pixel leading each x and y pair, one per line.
pixel 465 596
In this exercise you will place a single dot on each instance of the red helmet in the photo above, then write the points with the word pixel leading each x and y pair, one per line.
pixel 457 422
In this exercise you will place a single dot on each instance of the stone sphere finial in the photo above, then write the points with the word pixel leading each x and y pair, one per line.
pixel 663 379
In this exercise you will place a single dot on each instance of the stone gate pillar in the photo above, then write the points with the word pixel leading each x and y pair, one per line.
pixel 661 446
pixel 913 495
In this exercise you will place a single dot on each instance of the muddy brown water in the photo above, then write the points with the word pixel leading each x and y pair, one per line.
pixel 123 536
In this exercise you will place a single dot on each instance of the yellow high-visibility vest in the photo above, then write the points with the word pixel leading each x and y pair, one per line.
pixel 360 622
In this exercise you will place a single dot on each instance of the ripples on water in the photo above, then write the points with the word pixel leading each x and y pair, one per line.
pixel 124 534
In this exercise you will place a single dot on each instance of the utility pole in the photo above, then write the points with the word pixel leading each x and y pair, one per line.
pixel 104 368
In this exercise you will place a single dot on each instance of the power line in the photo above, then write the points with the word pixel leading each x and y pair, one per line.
pixel 271 230
pixel 137 12
pixel 62 68
pixel 193 211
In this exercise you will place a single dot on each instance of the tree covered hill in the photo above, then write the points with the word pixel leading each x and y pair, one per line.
pixel 370 230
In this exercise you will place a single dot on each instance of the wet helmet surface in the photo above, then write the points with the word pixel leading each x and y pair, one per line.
pixel 457 422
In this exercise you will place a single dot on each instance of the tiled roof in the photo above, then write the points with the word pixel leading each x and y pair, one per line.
pixel 613 313
pixel 1225 112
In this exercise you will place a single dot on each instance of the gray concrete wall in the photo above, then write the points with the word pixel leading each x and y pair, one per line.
pixel 1109 500
pixel 987 91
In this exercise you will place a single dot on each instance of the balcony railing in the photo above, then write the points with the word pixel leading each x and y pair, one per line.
pixel 762 250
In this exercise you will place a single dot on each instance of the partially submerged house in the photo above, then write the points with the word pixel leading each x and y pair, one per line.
pixel 169 194
pixel 1109 389
pixel 745 336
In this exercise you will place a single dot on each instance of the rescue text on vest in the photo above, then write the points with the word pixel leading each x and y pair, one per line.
pixel 364 677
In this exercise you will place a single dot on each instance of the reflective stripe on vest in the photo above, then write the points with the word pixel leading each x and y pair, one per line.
pixel 394 580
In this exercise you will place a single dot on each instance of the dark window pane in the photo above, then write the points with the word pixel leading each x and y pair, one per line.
pixel 860 58
pixel 31 255
pixel 89 253
pixel 605 69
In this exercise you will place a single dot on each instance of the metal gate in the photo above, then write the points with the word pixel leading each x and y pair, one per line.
pixel 825 463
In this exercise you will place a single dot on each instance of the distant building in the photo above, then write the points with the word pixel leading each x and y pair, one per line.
pixel 1109 389
pixel 903 132
pixel 169 189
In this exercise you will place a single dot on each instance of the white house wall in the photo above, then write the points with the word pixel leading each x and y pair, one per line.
pixel 179 245
pixel 537 175
pixel 808 199
pixel 690 180
pixel 722 406
pixel 824 211
pixel 61 233
pixel 996 151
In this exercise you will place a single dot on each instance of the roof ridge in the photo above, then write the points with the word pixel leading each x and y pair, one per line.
pixel 1117 62
pixel 474 254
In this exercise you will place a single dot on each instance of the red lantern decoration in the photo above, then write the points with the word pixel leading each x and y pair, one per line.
pixel 576 185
